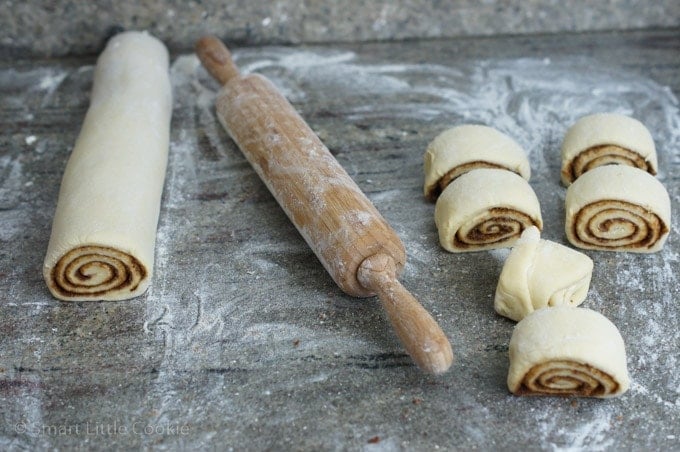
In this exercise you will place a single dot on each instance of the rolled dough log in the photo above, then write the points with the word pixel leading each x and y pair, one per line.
pixel 485 209
pixel 461 149
pixel 565 351
pixel 618 208
pixel 104 229
pixel 603 139
pixel 540 273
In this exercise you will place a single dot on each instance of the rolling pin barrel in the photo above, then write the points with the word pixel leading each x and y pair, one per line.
pixel 338 222
pixel 360 251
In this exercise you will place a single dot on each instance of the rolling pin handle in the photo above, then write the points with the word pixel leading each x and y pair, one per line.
pixel 420 334
pixel 216 58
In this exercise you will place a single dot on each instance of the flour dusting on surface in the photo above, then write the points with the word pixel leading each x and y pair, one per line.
pixel 532 100
pixel 243 336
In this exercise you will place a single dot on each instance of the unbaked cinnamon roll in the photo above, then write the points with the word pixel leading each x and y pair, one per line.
pixel 460 149
pixel 485 209
pixel 566 351
pixel 605 139
pixel 618 208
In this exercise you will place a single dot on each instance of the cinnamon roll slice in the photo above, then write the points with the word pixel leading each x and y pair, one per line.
pixel 485 209
pixel 94 271
pixel 565 351
pixel 460 149
pixel 104 227
pixel 540 273
pixel 618 208
pixel 605 139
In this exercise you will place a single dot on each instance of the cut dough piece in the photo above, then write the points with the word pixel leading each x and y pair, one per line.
pixel 603 139
pixel 618 208
pixel 540 273
pixel 461 149
pixel 485 209
pixel 104 229
pixel 565 351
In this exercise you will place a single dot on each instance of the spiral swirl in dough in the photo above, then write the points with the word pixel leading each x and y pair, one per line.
pixel 618 208
pixel 464 148
pixel 605 139
pixel 97 271
pixel 566 351
pixel 485 209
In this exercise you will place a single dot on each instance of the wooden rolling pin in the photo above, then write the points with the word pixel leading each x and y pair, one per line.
pixel 352 240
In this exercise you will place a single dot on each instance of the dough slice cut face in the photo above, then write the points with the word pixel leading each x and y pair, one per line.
pixel 91 271
pixel 618 208
pixel 605 139
pixel 104 229
pixel 485 209
pixel 540 273
pixel 565 351
pixel 464 148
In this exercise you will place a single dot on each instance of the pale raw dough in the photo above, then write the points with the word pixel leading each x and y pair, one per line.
pixel 104 229
pixel 461 149
pixel 567 351
pixel 540 273
pixel 603 139
pixel 485 209
pixel 618 208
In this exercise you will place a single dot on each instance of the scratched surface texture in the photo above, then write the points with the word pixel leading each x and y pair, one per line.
pixel 244 342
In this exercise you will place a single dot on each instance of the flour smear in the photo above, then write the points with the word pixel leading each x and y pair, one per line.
pixel 532 100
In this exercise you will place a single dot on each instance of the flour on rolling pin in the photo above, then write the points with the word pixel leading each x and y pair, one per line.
pixel 355 244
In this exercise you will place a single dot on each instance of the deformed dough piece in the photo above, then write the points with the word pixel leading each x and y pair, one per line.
pixel 104 228
pixel 540 273
pixel 461 149
pixel 565 351
pixel 618 208
pixel 603 139
pixel 485 209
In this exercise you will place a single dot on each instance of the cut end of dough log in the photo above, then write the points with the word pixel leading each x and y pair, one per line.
pixel 92 272
pixel 606 139
pixel 618 208
pixel 567 378
pixel 461 149
pixel 485 209
pixel 565 351
pixel 497 227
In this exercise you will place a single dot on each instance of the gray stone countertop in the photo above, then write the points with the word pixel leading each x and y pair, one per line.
pixel 72 27
pixel 244 342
